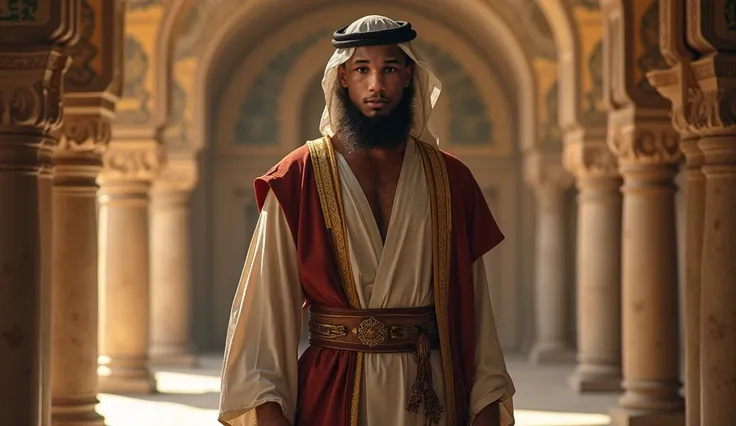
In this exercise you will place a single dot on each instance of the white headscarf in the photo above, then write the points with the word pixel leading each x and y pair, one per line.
pixel 427 87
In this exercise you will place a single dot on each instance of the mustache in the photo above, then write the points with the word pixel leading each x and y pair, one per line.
pixel 379 98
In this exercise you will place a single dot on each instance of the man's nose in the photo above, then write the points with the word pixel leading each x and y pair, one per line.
pixel 376 83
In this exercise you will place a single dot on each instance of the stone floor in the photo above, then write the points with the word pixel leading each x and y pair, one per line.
pixel 189 397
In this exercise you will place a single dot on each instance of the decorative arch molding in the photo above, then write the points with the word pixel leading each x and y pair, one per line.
pixel 470 122
pixel 180 26
pixel 480 80
pixel 259 117
pixel 559 16
pixel 577 26
pixel 150 29
pixel 276 92
pixel 491 36
pixel 142 106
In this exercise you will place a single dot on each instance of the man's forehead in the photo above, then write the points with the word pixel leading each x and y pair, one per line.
pixel 384 53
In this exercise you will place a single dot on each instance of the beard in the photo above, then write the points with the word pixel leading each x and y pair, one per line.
pixel 358 132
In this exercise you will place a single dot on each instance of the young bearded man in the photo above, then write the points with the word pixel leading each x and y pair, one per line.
pixel 382 235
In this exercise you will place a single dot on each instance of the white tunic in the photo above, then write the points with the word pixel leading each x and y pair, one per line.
pixel 260 362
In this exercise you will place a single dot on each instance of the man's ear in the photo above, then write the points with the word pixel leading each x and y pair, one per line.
pixel 409 74
pixel 342 75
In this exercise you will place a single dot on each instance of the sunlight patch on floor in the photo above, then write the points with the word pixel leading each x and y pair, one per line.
pixel 127 411
pixel 547 418
pixel 186 383
pixel 132 411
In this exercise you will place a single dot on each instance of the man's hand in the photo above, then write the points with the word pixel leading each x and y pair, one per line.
pixel 270 414
pixel 489 416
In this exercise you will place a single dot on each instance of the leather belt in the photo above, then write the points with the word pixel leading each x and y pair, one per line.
pixel 385 331
pixel 372 330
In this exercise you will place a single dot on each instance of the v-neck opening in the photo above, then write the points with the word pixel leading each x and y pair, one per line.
pixel 383 250
pixel 365 206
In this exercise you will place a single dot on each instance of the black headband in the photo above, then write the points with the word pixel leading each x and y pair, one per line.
pixel 401 34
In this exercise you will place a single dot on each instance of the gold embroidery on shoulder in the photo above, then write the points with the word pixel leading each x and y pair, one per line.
pixel 438 185
pixel 330 195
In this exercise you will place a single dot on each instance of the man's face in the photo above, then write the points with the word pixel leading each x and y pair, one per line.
pixel 376 77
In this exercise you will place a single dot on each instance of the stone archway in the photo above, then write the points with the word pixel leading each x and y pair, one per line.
pixel 288 70
pixel 489 35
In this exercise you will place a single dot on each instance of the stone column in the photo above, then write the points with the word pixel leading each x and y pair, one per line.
pixel 641 135
pixel 32 65
pixel 717 87
pixel 550 181
pixel 651 363
pixel 673 84
pixel 598 260
pixel 130 166
pixel 712 112
pixel 718 328
pixel 89 102
pixel 171 278
pixel 694 216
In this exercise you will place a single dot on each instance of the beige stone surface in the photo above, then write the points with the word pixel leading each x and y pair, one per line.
pixel 171 281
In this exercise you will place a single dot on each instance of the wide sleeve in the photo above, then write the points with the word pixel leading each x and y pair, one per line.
pixel 492 380
pixel 261 350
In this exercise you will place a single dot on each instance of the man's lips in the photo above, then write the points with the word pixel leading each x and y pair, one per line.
pixel 376 103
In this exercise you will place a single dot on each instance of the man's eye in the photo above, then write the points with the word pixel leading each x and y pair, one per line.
pixel 362 70
pixel 389 69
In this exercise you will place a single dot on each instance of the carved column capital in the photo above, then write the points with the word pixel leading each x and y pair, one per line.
pixel 30 91
pixel 92 87
pixel 701 83
pixel 84 134
pixel 643 137
pixel 30 105
pixel 77 159
pixel 586 154
pixel 132 161
pixel 713 100
pixel 179 175
pixel 546 170
pixel 674 84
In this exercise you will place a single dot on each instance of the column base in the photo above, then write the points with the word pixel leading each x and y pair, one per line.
pixel 75 412
pixel 181 359
pixel 588 378
pixel 551 354
pixel 81 419
pixel 628 417
pixel 125 381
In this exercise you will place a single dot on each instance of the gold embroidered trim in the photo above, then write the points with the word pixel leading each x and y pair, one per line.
pixel 357 383
pixel 330 195
pixel 438 184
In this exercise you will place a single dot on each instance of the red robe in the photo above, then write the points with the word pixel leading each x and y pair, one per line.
pixel 326 375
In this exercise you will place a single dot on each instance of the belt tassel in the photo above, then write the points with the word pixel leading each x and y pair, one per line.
pixel 422 390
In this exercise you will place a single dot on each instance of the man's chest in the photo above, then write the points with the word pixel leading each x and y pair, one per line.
pixel 379 187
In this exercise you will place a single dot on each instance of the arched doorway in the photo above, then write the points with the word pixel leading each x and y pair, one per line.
pixel 265 100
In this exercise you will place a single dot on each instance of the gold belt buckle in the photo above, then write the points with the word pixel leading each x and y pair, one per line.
pixel 371 332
